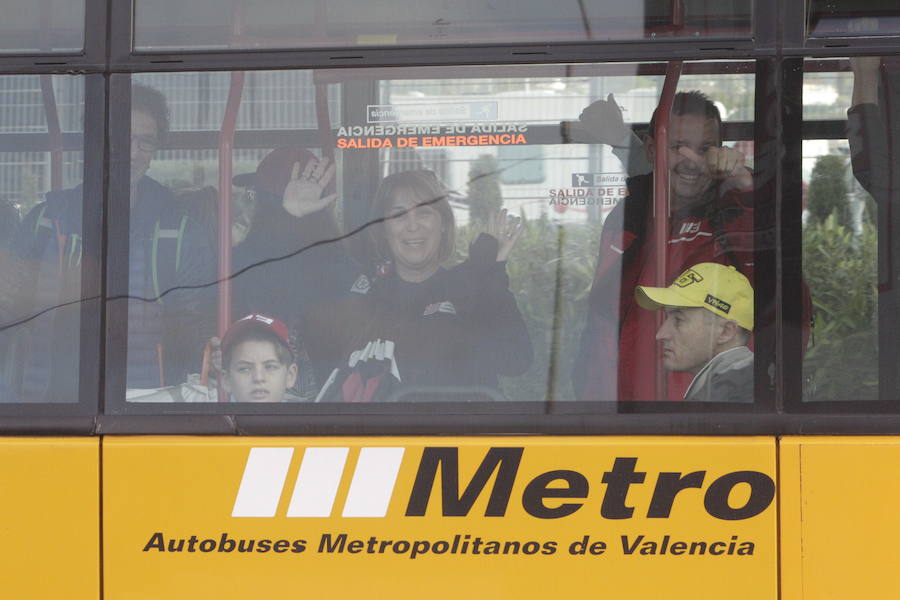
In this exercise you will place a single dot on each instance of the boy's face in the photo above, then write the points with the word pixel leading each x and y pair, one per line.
pixel 256 374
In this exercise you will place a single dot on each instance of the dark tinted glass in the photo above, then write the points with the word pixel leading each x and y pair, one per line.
pixel 203 24
pixel 839 18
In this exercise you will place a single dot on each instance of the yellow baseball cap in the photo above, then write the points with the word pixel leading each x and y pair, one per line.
pixel 719 289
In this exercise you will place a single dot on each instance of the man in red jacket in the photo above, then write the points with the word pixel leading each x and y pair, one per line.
pixel 710 220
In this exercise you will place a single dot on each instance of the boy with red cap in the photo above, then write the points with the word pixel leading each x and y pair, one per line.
pixel 291 262
pixel 258 360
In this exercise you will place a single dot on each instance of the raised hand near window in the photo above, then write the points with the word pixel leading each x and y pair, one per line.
pixel 506 229
pixel 303 193
pixel 603 121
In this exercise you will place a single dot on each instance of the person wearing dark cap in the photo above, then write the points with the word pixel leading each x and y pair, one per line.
pixel 258 360
pixel 279 174
pixel 709 320
pixel 291 260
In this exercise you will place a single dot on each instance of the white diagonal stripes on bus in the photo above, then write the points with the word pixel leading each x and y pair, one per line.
pixel 318 481
pixel 263 480
pixel 373 482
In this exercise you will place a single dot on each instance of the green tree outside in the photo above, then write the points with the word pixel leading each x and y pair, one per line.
pixel 840 268
pixel 829 192
pixel 484 188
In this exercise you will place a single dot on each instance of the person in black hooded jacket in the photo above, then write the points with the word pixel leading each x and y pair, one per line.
pixel 288 260
pixel 436 332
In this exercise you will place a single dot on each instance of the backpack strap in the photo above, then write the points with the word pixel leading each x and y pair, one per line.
pixel 44 230
pixel 75 250
pixel 69 247
pixel 43 223
pixel 165 254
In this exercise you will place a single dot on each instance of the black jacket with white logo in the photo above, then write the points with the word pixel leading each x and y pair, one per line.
pixel 459 328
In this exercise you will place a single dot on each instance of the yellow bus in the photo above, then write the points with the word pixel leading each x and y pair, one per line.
pixel 427 299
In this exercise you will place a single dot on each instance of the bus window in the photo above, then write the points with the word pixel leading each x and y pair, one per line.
pixel 846 18
pixel 41 164
pixel 48 26
pixel 381 250
pixel 670 314
pixel 173 258
pixel 849 186
pixel 520 164
pixel 201 24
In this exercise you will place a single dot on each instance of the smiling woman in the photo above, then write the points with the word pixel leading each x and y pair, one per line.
pixel 431 331
pixel 419 225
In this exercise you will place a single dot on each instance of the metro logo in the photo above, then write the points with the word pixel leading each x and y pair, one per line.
pixel 317 482
pixel 377 468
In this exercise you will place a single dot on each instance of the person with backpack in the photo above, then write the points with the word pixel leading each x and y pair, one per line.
pixel 171 275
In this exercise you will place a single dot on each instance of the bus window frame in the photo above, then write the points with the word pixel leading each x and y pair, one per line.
pixel 118 252
pixel 85 401
pixel 92 57
pixel 779 38
pixel 792 38
pixel 830 40
pixel 761 19
pixel 801 130
pixel 123 57
pixel 302 415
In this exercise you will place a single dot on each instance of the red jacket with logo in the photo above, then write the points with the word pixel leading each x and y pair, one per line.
pixel 619 352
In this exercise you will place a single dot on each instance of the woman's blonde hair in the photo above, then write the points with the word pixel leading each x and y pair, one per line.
pixel 425 186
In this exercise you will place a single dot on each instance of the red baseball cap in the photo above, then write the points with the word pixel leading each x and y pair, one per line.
pixel 271 326
pixel 274 171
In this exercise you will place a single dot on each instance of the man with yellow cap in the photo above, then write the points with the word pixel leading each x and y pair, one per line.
pixel 709 320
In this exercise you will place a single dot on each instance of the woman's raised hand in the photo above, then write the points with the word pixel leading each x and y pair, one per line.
pixel 506 229
pixel 303 193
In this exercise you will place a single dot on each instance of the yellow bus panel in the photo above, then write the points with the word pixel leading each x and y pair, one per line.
pixel 840 517
pixel 501 517
pixel 50 501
